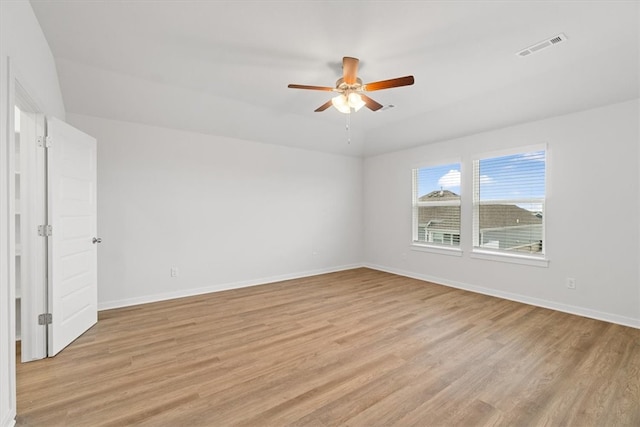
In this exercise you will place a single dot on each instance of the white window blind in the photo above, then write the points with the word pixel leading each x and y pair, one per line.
pixel 436 205
pixel 509 199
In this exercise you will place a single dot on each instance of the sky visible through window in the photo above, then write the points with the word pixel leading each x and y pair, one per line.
pixel 519 176
pixel 442 177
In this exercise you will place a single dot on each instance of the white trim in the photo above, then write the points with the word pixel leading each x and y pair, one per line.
pixel 13 78
pixel 530 200
pixel 442 250
pixel 510 257
pixel 452 202
pixel 10 419
pixel 107 305
pixel 538 302
pixel 8 247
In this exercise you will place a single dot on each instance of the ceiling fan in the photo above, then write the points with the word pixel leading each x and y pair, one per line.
pixel 351 89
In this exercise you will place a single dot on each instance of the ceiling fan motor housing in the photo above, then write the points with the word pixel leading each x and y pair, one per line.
pixel 342 86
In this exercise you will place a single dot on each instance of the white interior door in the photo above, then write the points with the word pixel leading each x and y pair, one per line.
pixel 72 286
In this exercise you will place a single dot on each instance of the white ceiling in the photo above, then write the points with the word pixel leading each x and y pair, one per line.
pixel 222 67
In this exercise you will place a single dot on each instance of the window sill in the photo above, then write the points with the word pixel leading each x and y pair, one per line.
pixel 512 258
pixel 442 250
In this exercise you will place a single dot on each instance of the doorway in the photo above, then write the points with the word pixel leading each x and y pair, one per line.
pixel 54 239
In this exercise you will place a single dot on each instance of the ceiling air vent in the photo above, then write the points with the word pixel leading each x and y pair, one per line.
pixel 542 45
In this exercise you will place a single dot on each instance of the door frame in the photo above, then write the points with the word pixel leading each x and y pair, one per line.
pixel 21 94
pixel 34 247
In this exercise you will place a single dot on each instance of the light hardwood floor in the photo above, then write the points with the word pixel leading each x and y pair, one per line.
pixel 359 348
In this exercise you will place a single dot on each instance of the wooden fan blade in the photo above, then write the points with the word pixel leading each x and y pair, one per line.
pixel 292 86
pixel 350 69
pixel 323 106
pixel 388 84
pixel 370 103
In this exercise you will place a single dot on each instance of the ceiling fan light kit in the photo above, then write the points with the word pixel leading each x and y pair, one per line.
pixel 344 103
pixel 355 101
pixel 351 89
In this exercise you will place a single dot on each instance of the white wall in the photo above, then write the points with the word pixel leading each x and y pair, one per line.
pixel 226 212
pixel 23 41
pixel 31 62
pixel 592 213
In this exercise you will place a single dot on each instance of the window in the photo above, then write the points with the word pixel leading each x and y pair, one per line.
pixel 436 205
pixel 509 198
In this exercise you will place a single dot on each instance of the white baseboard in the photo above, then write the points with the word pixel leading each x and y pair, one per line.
pixel 9 420
pixel 107 305
pixel 580 311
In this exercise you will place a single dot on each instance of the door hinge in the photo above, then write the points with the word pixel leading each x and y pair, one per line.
pixel 44 230
pixel 44 141
pixel 44 319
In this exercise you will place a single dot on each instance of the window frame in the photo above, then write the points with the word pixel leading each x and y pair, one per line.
pixel 416 204
pixel 536 259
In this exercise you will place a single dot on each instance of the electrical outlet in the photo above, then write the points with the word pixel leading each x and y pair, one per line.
pixel 174 271
pixel 571 283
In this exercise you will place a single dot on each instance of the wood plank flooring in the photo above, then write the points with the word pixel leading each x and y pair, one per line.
pixel 357 348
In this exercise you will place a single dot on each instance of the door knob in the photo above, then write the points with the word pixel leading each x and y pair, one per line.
pixel 96 240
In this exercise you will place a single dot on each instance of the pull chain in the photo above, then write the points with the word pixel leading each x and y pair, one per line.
pixel 349 128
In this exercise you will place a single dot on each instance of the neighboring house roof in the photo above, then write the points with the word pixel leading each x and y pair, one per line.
pixel 491 216
pixel 445 218
pixel 439 195
pixel 495 216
